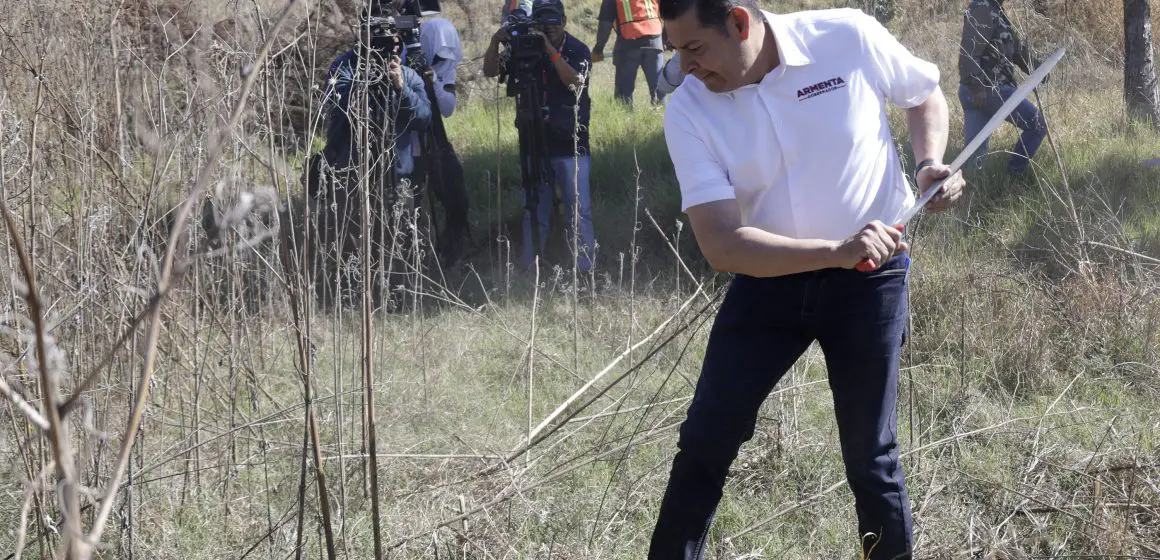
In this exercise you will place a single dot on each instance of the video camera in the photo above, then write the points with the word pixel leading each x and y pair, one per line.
pixel 393 25
pixel 526 52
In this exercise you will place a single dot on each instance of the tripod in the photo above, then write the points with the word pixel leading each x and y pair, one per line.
pixel 441 170
pixel 526 86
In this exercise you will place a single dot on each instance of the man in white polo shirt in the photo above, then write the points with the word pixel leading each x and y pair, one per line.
pixel 789 177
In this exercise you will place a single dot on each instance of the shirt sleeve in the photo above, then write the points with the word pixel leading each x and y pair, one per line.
pixel 581 58
pixel 903 78
pixel 670 75
pixel 607 11
pixel 700 174
pixel 414 112
pixel 603 32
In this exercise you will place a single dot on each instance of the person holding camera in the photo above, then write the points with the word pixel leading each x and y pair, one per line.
pixel 409 110
pixel 566 61
pixel 370 86
pixel 638 44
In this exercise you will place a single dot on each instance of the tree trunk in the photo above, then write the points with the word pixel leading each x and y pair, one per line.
pixel 1139 70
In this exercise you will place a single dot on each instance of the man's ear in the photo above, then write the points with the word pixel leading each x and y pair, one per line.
pixel 741 20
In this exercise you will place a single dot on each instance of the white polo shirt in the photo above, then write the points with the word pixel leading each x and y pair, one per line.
pixel 807 151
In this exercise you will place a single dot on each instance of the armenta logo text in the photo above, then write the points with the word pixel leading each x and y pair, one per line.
pixel 820 88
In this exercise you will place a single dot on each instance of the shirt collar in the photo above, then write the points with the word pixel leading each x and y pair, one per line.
pixel 791 50
pixel 791 47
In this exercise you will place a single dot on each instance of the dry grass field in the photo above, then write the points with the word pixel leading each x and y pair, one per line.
pixel 166 378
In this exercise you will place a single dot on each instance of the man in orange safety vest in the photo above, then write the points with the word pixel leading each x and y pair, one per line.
pixel 638 44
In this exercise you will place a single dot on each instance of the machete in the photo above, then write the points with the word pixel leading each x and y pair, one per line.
pixel 997 119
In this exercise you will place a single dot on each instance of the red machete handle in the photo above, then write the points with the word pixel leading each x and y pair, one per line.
pixel 868 264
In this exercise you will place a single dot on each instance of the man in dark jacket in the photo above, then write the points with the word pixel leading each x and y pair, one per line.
pixel 988 54
pixel 371 84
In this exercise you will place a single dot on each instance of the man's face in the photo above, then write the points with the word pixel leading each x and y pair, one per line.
pixel 713 55
pixel 555 33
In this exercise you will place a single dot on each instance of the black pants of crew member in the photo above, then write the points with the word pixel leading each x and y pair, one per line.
pixel 447 183
pixel 762 328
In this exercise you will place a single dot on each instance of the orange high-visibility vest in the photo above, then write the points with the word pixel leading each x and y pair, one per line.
pixel 638 18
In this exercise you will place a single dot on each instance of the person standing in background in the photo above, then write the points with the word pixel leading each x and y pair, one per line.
pixel 989 51
pixel 638 44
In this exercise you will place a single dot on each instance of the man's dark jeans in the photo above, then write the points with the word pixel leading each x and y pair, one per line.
pixel 763 327
pixel 628 61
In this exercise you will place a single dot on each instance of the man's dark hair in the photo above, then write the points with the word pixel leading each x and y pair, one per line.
pixel 711 13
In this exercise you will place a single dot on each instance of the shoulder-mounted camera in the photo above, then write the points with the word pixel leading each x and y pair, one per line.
pixel 393 24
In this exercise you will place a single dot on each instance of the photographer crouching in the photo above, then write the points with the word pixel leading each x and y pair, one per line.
pixel 375 104
pixel 547 69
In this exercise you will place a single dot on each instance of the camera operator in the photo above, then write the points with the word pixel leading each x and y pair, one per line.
pixel 411 113
pixel 398 106
pixel 566 61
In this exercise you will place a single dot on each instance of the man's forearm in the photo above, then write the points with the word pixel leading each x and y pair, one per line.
pixel 414 108
pixel 567 74
pixel 491 60
pixel 929 126
pixel 603 32
pixel 755 252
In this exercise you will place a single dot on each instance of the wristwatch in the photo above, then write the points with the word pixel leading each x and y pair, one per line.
pixel 922 165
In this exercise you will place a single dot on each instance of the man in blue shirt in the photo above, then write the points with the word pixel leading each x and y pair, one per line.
pixel 566 62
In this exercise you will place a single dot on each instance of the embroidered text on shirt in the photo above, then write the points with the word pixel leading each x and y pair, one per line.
pixel 819 88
